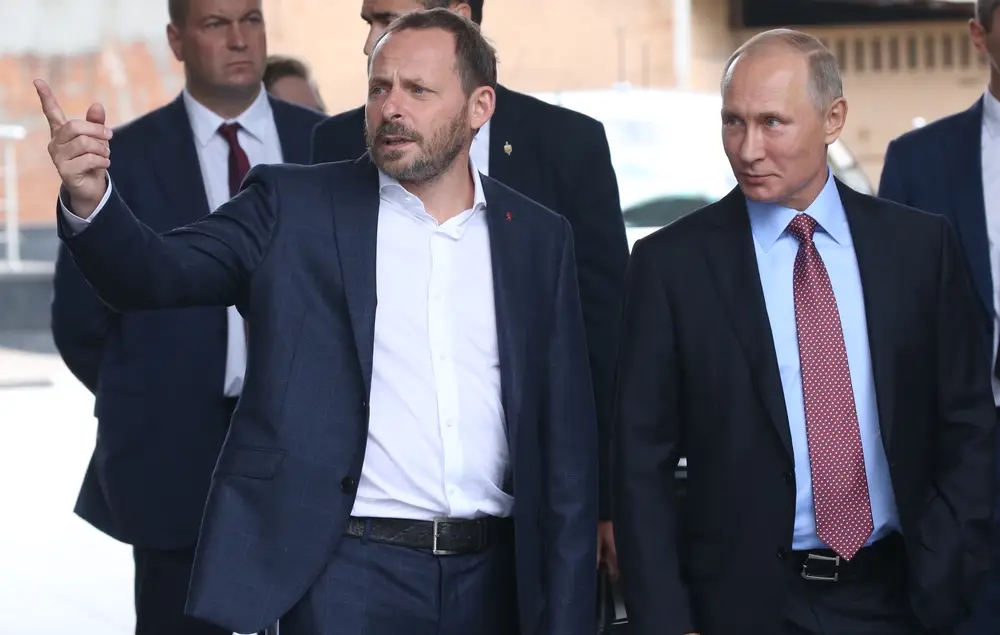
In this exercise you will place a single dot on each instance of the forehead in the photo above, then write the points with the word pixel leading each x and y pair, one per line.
pixel 415 52
pixel 232 8
pixel 767 81
pixel 377 8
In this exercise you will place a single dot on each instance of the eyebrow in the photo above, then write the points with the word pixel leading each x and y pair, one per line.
pixel 221 18
pixel 384 16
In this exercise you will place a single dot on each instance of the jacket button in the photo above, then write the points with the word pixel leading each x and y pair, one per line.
pixel 364 407
pixel 782 553
pixel 348 484
pixel 789 478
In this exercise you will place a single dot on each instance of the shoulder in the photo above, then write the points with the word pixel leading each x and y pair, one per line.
pixel 287 111
pixel 557 119
pixel 901 217
pixel 933 133
pixel 292 175
pixel 350 119
pixel 140 129
pixel 540 218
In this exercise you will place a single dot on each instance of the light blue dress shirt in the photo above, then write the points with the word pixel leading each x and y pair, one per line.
pixel 776 250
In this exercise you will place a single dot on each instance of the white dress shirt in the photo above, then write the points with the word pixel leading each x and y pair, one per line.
pixel 991 196
pixel 258 137
pixel 480 152
pixel 437 444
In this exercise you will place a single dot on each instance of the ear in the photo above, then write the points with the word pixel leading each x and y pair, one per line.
pixel 977 33
pixel 174 39
pixel 462 8
pixel 836 118
pixel 482 103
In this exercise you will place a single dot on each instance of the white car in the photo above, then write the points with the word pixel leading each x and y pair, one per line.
pixel 666 147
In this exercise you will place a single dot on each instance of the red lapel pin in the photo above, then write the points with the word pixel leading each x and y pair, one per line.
pixel 509 216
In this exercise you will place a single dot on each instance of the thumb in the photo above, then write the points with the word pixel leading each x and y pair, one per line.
pixel 96 114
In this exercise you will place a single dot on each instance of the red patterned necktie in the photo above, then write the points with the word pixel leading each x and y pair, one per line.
pixel 239 165
pixel 837 462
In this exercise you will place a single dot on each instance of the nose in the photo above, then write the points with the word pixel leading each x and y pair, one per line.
pixel 752 145
pixel 391 106
pixel 374 32
pixel 237 41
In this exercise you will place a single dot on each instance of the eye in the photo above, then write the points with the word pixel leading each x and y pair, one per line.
pixel 771 122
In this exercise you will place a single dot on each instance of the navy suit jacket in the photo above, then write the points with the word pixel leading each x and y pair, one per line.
pixel 938 169
pixel 559 158
pixel 295 251
pixel 157 376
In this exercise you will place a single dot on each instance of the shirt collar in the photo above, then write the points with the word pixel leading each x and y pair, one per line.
pixel 205 123
pixel 387 184
pixel 769 220
pixel 991 115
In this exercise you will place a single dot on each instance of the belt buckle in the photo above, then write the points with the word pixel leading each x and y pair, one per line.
pixel 434 545
pixel 820 578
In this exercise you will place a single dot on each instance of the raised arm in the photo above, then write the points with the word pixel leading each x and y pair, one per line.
pixel 128 264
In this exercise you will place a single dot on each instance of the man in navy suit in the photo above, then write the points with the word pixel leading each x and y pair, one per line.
pixel 416 447
pixel 952 167
pixel 556 157
pixel 166 381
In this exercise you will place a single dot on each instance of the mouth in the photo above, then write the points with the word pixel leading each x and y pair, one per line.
pixel 394 141
pixel 755 179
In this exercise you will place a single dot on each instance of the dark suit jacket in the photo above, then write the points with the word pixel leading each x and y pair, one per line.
pixel 558 158
pixel 295 251
pixel 158 376
pixel 938 169
pixel 699 378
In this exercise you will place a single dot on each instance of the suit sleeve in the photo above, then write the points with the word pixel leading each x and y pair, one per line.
pixel 966 449
pixel 206 263
pixel 569 466
pixel 890 185
pixel 646 451
pixel 601 259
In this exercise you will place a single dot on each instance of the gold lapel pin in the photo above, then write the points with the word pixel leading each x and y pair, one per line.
pixel 508 148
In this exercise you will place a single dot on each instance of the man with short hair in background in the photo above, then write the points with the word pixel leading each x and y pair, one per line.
pixel 289 79
pixel 951 167
pixel 166 382
pixel 554 156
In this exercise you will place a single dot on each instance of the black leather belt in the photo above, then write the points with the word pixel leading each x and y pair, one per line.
pixel 823 565
pixel 442 537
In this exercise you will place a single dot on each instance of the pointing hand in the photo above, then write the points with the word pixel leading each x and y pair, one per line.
pixel 79 150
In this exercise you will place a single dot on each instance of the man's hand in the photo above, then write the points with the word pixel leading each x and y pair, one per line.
pixel 79 150
pixel 606 548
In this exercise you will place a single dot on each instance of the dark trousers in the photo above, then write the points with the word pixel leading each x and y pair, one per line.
pixel 373 588
pixel 161 585
pixel 872 604
pixel 986 612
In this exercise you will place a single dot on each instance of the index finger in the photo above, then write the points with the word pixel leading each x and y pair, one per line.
pixel 50 106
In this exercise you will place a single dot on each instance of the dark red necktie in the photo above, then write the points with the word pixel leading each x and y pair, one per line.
pixel 837 462
pixel 239 165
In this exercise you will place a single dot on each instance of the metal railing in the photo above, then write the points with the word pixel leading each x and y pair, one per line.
pixel 10 234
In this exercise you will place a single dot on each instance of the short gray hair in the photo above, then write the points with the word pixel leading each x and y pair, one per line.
pixel 985 10
pixel 825 83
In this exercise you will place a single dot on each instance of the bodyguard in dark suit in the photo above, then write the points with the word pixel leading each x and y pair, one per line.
pixel 166 381
pixel 819 357
pixel 952 168
pixel 417 429
pixel 556 157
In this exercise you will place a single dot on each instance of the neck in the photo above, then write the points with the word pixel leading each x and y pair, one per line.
pixel 449 194
pixel 227 104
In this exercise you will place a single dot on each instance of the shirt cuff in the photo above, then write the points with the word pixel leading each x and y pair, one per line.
pixel 77 224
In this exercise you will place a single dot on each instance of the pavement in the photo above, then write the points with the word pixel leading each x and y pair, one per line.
pixel 57 573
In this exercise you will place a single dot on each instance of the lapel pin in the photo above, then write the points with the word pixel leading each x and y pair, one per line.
pixel 508 148
pixel 508 216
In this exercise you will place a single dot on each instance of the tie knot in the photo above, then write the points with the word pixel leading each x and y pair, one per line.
pixel 802 227
pixel 228 132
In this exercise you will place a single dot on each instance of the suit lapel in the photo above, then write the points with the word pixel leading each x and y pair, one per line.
pixel 878 280
pixel 176 162
pixel 355 202
pixel 734 266
pixel 967 200
pixel 294 142
pixel 511 285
